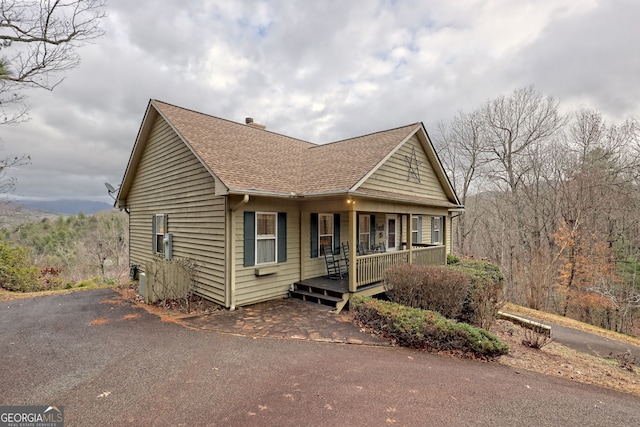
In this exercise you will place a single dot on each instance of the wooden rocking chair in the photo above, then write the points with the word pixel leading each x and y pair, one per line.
pixel 345 253
pixel 334 266
pixel 361 250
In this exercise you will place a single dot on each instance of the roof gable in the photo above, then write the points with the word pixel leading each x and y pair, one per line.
pixel 413 168
pixel 246 159
pixel 339 166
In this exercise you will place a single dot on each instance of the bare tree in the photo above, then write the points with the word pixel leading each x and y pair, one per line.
pixel 461 149
pixel 517 127
pixel 104 247
pixel 38 41
pixel 515 123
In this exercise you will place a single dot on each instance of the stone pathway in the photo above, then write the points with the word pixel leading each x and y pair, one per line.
pixel 286 319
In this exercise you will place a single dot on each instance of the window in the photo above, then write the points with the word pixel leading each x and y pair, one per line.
pixel 159 225
pixel 266 231
pixel 364 233
pixel 265 237
pixel 416 233
pixel 325 231
pixel 436 229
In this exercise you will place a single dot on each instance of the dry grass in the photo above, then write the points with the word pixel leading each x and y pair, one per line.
pixel 543 317
pixel 559 361
pixel 99 321
pixel 12 296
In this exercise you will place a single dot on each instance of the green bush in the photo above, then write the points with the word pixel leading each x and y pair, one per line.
pixel 452 259
pixel 485 293
pixel 17 272
pixel 95 282
pixel 425 329
pixel 431 288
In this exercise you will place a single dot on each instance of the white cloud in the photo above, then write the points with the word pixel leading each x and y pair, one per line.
pixel 319 71
pixel 224 69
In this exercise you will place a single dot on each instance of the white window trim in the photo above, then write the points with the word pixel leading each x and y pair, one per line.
pixel 330 234
pixel 437 230
pixel 161 219
pixel 415 230
pixel 395 232
pixel 273 237
pixel 368 233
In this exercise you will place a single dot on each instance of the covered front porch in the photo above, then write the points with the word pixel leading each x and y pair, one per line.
pixel 364 276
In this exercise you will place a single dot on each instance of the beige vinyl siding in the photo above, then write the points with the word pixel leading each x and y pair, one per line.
pixel 170 180
pixel 444 224
pixel 393 176
pixel 250 288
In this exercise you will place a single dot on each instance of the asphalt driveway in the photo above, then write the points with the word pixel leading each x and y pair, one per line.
pixel 590 343
pixel 110 363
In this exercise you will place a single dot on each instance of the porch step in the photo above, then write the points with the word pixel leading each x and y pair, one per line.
pixel 311 296
pixel 317 295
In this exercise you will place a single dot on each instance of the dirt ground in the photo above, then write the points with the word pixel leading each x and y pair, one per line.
pixel 559 361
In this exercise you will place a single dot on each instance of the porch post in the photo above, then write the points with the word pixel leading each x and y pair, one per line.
pixel 409 242
pixel 353 250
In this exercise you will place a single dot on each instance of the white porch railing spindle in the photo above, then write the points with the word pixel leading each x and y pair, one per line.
pixel 370 268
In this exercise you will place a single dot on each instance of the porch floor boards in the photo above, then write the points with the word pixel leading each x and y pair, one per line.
pixel 337 285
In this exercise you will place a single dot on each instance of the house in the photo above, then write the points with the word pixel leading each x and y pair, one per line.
pixel 255 209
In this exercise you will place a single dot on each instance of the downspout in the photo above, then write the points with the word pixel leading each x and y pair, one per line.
pixel 128 212
pixel 231 263
pixel 244 201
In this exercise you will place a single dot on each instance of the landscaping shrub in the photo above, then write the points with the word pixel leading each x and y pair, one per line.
pixel 425 329
pixel 431 288
pixel 17 272
pixel 485 293
pixel 452 259
pixel 535 338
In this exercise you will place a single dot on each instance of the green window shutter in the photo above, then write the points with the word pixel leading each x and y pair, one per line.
pixel 282 236
pixel 433 231
pixel 372 230
pixel 419 230
pixel 336 234
pixel 314 235
pixel 249 238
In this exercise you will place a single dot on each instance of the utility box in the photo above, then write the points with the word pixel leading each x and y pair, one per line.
pixel 168 246
pixel 142 286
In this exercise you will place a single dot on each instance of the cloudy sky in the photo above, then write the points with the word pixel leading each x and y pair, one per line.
pixel 318 70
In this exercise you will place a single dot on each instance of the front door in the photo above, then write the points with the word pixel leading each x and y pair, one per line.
pixel 392 232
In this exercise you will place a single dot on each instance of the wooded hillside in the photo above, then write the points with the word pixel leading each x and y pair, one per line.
pixel 554 200
pixel 74 248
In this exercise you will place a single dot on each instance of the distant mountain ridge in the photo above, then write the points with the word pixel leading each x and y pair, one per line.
pixel 66 207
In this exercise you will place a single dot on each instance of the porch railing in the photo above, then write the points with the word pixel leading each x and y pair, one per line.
pixel 434 255
pixel 370 268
